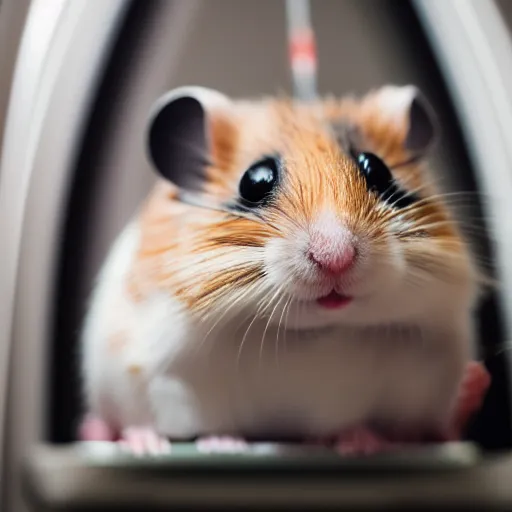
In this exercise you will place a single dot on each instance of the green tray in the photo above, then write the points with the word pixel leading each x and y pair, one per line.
pixel 292 457
pixel 101 476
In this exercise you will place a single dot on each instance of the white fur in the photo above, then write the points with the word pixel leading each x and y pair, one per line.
pixel 107 391
pixel 310 382
pixel 395 100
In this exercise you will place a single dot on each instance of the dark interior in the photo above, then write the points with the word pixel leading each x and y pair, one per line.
pixel 491 428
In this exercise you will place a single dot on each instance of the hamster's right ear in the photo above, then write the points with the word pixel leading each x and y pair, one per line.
pixel 178 140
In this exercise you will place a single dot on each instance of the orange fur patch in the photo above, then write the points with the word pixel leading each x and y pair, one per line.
pixel 317 175
pixel 134 370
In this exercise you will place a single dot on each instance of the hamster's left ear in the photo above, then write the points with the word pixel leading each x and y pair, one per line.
pixel 178 134
pixel 408 109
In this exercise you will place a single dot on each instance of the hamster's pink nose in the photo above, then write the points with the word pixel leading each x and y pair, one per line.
pixel 331 258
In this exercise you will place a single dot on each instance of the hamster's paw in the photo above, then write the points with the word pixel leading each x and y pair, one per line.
pixel 473 389
pixel 363 441
pixel 474 386
pixel 221 445
pixel 95 429
pixel 143 441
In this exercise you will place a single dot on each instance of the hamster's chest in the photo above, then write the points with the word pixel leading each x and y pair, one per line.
pixel 285 384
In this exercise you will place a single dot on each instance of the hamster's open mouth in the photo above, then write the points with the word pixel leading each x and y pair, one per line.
pixel 334 300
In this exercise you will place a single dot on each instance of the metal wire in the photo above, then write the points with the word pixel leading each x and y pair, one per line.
pixel 302 49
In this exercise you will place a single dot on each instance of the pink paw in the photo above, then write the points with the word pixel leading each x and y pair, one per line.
pixel 474 387
pixel 221 445
pixel 95 429
pixel 363 441
pixel 143 441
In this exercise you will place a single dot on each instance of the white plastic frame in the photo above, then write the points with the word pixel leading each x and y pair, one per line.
pixel 474 49
pixel 61 52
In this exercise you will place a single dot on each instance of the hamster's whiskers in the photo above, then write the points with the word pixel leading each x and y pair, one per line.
pixel 286 310
pixel 198 201
pixel 280 298
pixel 220 285
pixel 235 302
pixel 236 211
pixel 264 303
pixel 426 225
pixel 449 199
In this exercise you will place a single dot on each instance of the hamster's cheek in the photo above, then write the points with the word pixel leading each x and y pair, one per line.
pixel 377 286
pixel 387 288
pixel 390 288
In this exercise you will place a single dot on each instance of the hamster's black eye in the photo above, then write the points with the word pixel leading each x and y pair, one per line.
pixel 376 173
pixel 380 180
pixel 259 181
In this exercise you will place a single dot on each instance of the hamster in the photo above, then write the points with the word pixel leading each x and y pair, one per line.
pixel 294 273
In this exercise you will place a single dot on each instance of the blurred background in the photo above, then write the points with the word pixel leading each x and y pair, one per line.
pixel 77 79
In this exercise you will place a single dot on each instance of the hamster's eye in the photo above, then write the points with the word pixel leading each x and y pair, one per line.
pixel 259 181
pixel 376 173
pixel 380 180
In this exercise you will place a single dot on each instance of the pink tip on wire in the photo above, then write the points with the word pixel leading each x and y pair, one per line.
pixel 302 49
